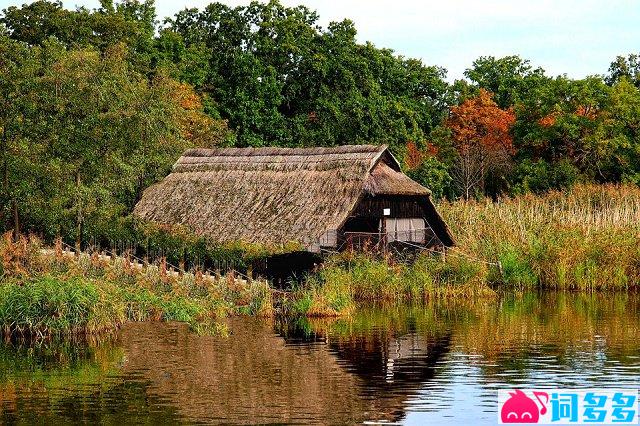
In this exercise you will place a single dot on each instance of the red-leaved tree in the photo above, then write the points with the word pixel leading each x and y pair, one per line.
pixel 481 136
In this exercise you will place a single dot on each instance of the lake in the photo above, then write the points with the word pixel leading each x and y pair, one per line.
pixel 440 363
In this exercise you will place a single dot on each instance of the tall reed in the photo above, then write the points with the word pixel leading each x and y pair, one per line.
pixel 587 238
pixel 351 278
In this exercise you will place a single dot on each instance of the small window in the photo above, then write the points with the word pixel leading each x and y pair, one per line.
pixel 410 230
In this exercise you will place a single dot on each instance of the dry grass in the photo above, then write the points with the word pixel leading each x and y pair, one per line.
pixel 587 238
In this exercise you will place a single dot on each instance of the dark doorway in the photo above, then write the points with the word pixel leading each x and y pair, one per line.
pixel 283 269
pixel 361 233
pixel 362 224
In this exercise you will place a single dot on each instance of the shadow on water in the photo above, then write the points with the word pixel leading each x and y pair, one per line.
pixel 438 363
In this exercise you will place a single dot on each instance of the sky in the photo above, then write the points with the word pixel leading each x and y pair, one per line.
pixel 573 37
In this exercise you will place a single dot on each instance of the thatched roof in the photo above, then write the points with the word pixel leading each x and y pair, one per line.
pixel 383 180
pixel 272 195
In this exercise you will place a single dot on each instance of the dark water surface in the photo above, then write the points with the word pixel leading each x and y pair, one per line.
pixel 436 364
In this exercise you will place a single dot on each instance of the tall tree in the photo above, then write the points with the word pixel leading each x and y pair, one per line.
pixel 281 79
pixel 109 132
pixel 481 135
pixel 19 156
pixel 625 67
pixel 511 79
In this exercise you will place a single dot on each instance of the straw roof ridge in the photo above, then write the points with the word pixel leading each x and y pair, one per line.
pixel 383 180
pixel 302 158
pixel 279 151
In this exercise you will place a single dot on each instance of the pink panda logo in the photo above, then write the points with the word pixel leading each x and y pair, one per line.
pixel 522 409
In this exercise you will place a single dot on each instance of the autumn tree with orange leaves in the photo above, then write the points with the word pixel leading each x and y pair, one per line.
pixel 480 131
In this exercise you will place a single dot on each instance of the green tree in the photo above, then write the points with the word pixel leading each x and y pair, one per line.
pixel 625 67
pixel 281 79
pixel 130 21
pixel 619 153
pixel 511 79
pixel 19 156
pixel 83 133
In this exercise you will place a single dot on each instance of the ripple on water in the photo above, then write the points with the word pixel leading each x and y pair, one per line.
pixel 440 364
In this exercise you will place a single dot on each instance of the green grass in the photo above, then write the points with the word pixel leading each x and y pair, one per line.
pixel 347 280
pixel 49 295
pixel 47 305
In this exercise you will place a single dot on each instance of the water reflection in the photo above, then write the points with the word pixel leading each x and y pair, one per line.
pixel 390 363
pixel 440 363
pixel 71 382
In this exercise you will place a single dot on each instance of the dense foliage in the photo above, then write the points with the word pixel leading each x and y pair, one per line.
pixel 95 105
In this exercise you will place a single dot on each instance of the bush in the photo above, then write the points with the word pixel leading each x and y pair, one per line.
pixel 541 176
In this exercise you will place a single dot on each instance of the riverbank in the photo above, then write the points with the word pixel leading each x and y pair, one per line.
pixel 46 292
pixel 349 279
pixel 586 239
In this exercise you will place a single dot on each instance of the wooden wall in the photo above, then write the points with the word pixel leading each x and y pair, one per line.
pixel 401 207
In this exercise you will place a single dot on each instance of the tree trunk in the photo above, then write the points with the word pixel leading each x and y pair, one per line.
pixel 79 218
pixel 16 220
pixel 139 189
pixel 5 192
pixel 5 180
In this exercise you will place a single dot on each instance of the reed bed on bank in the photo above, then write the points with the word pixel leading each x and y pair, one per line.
pixel 44 293
pixel 584 239
pixel 349 279
pixel 587 238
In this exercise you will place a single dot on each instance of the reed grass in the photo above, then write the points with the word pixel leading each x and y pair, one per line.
pixel 587 238
pixel 44 294
pixel 349 279
pixel 584 239
pixel 47 305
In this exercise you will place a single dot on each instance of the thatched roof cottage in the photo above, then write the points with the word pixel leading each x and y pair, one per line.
pixel 319 197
